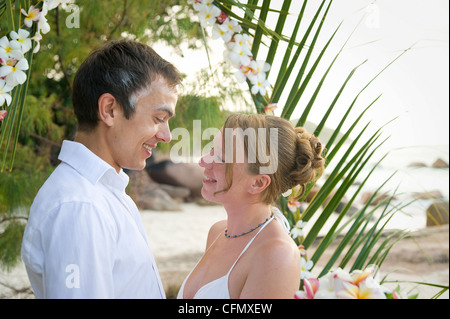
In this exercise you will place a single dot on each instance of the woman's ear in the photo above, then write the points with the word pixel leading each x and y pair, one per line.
pixel 107 108
pixel 260 183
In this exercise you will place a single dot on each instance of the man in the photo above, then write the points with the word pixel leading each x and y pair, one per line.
pixel 84 237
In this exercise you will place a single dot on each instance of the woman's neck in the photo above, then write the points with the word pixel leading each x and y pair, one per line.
pixel 242 218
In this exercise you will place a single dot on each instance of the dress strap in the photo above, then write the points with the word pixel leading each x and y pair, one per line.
pixel 249 243
pixel 281 219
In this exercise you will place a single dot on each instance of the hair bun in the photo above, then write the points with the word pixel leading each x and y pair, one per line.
pixel 309 163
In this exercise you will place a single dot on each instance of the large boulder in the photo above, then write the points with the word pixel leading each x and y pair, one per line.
pixel 417 164
pixel 149 195
pixel 440 163
pixel 428 195
pixel 366 196
pixel 188 175
pixel 339 207
pixel 157 199
pixel 437 214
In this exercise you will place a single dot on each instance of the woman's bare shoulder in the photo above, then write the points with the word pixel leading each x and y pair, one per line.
pixel 215 230
pixel 275 269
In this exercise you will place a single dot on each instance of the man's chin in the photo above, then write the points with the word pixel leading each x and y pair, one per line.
pixel 136 167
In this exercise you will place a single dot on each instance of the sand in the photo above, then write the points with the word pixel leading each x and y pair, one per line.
pixel 178 240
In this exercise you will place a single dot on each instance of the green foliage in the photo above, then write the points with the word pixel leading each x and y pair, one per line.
pixel 17 191
pixel 10 244
pixel 43 117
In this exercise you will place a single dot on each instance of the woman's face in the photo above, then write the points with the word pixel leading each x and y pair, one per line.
pixel 214 179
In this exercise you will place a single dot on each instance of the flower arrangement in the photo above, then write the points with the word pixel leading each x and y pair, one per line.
pixel 340 284
pixel 13 62
pixel 237 48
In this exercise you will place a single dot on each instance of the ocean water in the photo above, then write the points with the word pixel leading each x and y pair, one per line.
pixel 408 181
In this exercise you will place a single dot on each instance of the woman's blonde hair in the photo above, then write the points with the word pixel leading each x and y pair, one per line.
pixel 299 154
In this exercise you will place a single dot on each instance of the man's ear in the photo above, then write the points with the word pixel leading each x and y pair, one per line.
pixel 260 183
pixel 107 108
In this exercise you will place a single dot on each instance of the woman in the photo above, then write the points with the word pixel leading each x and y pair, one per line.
pixel 249 255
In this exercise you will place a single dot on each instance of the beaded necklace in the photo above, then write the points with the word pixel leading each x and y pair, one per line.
pixel 251 229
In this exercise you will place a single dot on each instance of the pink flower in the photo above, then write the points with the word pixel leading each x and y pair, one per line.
pixel 222 17
pixel 30 16
pixel 2 115
pixel 293 205
pixel 310 287
pixel 270 108
pixel 302 250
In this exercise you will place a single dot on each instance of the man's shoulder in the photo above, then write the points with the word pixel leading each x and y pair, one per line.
pixel 64 186
pixel 65 182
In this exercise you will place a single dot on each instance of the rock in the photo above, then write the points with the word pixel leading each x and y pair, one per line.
pixel 179 193
pixel 312 193
pixel 437 214
pixel 188 175
pixel 417 164
pixel 156 199
pixel 439 163
pixel 341 204
pixel 428 195
pixel 149 195
pixel 365 197
pixel 339 207
pixel 138 181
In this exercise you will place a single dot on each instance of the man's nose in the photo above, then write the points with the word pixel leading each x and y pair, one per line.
pixel 164 133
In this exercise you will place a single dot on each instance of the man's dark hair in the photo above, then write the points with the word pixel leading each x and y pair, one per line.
pixel 121 68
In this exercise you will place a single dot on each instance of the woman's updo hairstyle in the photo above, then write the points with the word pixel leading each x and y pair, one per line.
pixel 309 163
pixel 299 157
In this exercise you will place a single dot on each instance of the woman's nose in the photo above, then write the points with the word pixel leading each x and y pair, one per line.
pixel 205 161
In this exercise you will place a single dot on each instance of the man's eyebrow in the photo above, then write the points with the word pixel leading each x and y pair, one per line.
pixel 167 110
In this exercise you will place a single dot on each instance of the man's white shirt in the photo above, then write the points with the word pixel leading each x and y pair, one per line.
pixel 84 237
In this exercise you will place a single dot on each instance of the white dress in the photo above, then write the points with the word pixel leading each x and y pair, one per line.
pixel 218 288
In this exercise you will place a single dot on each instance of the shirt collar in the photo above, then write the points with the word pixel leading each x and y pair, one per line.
pixel 90 166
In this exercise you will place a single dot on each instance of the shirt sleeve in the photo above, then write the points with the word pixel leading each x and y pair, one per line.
pixel 78 243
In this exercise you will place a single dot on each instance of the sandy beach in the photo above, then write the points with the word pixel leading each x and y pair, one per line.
pixel 178 240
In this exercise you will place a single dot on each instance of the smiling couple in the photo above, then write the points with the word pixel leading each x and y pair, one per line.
pixel 84 237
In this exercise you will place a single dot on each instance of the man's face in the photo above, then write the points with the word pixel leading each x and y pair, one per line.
pixel 131 141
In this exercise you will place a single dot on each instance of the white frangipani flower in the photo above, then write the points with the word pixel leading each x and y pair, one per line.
pixel 259 84
pixel 200 4
pixel 305 268
pixel 217 32
pixel 242 73
pixel 297 230
pixel 4 93
pixel 240 52
pixel 257 67
pixel 37 38
pixel 208 15
pixel 230 26
pixel 14 74
pixel 52 4
pixel 22 39
pixel 30 16
pixel 43 26
pixel 10 49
